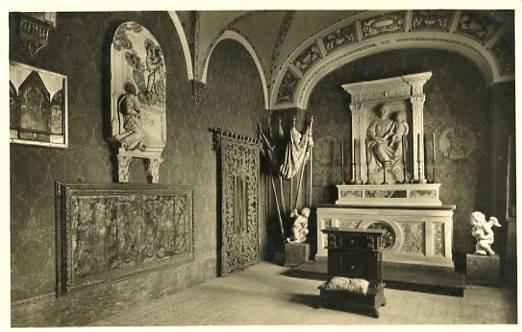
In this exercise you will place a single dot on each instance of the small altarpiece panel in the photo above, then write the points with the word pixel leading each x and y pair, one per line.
pixel 110 231
pixel 138 113
pixel 37 106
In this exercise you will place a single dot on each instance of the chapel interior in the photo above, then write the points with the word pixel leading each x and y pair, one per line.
pixel 306 167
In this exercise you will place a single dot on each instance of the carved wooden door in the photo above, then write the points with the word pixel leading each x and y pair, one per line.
pixel 238 234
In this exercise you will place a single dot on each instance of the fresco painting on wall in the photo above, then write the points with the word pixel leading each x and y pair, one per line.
pixel 37 106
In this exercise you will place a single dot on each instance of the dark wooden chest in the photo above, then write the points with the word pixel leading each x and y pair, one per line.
pixel 354 253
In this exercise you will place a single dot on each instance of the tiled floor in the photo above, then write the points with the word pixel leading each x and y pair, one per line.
pixel 263 295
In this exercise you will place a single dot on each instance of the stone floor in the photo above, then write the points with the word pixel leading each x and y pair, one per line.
pixel 263 295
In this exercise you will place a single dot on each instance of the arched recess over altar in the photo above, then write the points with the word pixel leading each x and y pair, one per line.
pixel 184 43
pixel 489 47
pixel 233 35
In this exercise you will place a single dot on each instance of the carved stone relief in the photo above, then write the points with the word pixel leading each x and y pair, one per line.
pixel 339 38
pixel 438 246
pixel 477 25
pixel 347 223
pixel 388 238
pixel 413 237
pixel 457 142
pixel 112 231
pixel 287 88
pixel 431 20
pixel 386 23
pixel 138 113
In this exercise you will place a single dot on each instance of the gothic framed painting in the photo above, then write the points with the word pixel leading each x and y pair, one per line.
pixel 37 106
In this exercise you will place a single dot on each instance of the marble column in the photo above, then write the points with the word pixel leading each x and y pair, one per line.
pixel 417 105
pixel 357 176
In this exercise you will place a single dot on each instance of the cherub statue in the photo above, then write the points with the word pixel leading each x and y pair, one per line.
pixel 401 128
pixel 300 225
pixel 483 233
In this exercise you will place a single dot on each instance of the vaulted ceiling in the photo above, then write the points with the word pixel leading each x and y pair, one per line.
pixel 293 50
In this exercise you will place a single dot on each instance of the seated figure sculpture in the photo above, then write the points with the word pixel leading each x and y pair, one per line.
pixel 299 226
pixel 384 148
pixel 483 233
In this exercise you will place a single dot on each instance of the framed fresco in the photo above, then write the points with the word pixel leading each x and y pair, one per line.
pixel 37 106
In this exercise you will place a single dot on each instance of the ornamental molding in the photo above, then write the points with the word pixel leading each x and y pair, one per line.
pixel 234 35
pixel 184 43
pixel 441 36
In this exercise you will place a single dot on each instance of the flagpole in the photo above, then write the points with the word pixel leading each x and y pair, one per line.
pixel 278 209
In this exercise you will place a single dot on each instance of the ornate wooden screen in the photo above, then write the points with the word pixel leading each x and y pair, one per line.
pixel 238 180
pixel 105 232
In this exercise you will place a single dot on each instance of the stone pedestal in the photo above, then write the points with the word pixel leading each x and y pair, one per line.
pixel 482 270
pixel 296 253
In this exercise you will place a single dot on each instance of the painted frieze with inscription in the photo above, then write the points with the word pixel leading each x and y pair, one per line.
pixel 438 20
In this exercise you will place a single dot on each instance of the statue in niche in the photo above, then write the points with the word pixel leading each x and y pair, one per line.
pixel 482 232
pixel 131 135
pixel 299 226
pixel 384 150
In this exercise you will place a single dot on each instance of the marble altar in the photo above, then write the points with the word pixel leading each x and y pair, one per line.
pixel 388 188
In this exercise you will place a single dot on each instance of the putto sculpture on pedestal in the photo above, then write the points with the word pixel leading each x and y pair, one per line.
pixel 482 232
pixel 299 226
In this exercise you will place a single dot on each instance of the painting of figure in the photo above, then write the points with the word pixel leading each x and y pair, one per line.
pixel 37 106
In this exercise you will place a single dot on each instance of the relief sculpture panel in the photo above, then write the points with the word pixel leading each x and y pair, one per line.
pixel 108 232
pixel 138 110
pixel 414 237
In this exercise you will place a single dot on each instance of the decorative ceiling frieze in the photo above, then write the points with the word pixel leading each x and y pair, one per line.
pixel 340 38
pixel 477 25
pixel 306 59
pixel 431 20
pixel 385 23
pixel 479 35
pixel 286 89
pixel 504 51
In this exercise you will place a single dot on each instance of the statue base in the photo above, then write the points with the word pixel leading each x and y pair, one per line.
pixel 482 270
pixel 296 253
